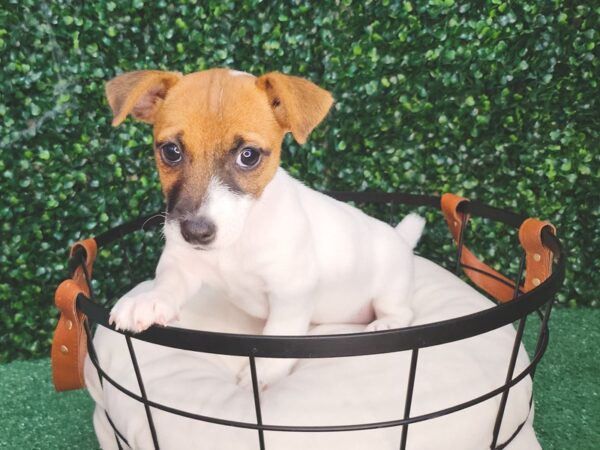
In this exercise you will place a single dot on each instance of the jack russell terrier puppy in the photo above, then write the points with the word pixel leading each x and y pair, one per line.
pixel 236 221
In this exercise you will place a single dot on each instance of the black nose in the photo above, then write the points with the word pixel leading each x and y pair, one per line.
pixel 198 230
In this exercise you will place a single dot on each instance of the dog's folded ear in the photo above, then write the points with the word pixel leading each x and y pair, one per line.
pixel 139 93
pixel 299 105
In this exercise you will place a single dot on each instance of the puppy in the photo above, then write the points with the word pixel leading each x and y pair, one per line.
pixel 236 221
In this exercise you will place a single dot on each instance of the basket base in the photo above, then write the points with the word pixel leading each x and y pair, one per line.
pixel 319 392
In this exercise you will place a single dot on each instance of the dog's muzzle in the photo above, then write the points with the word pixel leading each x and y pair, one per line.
pixel 198 230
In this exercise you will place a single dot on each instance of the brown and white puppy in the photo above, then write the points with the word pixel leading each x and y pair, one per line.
pixel 236 221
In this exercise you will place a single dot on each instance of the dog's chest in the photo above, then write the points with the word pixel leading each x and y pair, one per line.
pixel 233 274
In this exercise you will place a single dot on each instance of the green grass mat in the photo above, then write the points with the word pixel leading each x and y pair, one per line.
pixel 33 416
pixel 567 382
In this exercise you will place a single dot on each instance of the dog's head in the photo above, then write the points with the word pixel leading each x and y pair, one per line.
pixel 217 139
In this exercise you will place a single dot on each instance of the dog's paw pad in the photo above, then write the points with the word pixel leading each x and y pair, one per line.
pixel 138 312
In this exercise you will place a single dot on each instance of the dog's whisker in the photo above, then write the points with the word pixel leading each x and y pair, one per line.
pixel 154 216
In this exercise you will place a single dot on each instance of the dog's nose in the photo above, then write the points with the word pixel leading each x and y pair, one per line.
pixel 198 230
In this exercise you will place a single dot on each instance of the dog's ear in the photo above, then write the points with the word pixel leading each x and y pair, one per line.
pixel 139 93
pixel 299 105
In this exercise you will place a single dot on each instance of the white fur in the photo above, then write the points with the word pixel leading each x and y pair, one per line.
pixel 292 257
pixel 239 73
pixel 411 229
pixel 228 210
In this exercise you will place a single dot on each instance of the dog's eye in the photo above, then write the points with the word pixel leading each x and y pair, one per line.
pixel 171 154
pixel 248 158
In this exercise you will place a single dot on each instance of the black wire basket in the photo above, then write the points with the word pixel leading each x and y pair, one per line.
pixel 83 313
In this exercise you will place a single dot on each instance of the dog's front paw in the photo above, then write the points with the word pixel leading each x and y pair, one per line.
pixel 387 323
pixel 267 371
pixel 137 312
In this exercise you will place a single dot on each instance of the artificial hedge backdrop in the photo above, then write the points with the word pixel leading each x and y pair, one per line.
pixel 497 102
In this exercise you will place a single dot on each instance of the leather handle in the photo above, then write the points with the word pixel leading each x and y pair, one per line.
pixel 69 344
pixel 497 285
pixel 90 249
pixel 538 258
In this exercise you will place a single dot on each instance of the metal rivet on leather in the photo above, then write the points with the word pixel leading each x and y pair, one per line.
pixel 69 324
pixel 64 349
pixel 537 257
pixel 536 281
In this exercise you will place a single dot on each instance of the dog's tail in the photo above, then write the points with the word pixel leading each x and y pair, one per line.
pixel 411 229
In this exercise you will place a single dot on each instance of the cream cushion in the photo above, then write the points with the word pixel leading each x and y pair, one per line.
pixel 318 391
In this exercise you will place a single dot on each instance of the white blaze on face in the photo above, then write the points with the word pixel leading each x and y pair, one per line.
pixel 237 73
pixel 228 210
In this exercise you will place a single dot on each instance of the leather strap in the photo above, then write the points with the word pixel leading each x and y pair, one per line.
pixel 538 259
pixel 502 291
pixel 90 248
pixel 69 345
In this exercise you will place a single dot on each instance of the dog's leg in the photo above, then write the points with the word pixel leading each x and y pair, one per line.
pixel 393 307
pixel 286 317
pixel 172 286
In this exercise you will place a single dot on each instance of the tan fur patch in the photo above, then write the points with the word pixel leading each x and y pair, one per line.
pixel 210 112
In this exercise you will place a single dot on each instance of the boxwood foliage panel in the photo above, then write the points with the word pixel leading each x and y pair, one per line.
pixel 493 100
